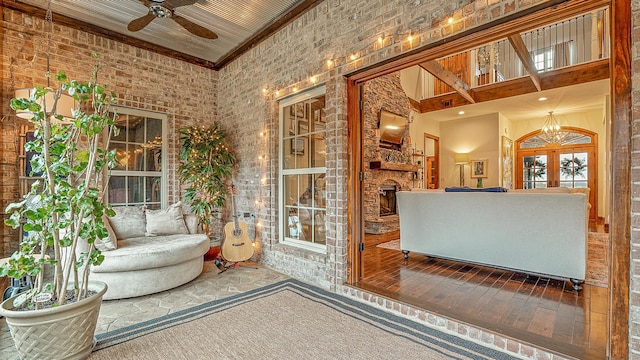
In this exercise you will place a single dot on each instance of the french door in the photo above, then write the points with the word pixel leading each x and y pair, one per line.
pixel 570 163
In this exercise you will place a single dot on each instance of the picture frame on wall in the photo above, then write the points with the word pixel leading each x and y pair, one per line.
pixel 298 110
pixel 507 163
pixel 479 168
pixel 297 146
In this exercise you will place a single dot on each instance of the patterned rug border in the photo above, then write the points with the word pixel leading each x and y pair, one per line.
pixel 355 309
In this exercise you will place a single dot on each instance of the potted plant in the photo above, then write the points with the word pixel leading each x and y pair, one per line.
pixel 63 213
pixel 205 165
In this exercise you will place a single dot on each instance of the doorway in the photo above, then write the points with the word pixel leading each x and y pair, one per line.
pixel 618 308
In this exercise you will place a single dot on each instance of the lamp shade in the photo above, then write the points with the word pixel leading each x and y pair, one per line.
pixel 65 105
pixel 461 158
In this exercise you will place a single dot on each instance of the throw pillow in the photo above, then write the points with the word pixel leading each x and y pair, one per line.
pixel 191 220
pixel 110 242
pixel 167 221
pixel 129 222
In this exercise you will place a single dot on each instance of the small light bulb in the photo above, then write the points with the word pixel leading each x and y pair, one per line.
pixel 313 79
pixel 380 40
pixel 353 57
pixel 450 21
pixel 329 62
pixel 410 38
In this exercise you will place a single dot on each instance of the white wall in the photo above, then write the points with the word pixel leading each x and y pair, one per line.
pixel 480 138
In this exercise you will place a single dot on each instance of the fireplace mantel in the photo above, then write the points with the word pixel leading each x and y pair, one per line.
pixel 384 165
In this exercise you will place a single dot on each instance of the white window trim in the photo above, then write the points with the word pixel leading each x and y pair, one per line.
pixel 312 93
pixel 164 199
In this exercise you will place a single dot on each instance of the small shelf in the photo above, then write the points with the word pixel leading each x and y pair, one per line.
pixel 383 165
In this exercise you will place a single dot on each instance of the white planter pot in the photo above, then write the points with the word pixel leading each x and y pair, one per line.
pixel 64 332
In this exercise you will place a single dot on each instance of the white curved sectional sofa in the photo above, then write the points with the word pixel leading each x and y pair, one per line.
pixel 533 232
pixel 149 251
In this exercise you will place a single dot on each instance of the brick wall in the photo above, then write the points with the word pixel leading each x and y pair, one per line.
pixel 142 79
pixel 321 43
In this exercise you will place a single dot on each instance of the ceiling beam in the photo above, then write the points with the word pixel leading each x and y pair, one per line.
pixel 527 61
pixel 449 78
pixel 578 74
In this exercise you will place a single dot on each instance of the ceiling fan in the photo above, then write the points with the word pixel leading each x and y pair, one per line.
pixel 165 9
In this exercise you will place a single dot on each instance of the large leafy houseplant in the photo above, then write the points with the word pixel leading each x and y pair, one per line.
pixel 65 206
pixel 206 163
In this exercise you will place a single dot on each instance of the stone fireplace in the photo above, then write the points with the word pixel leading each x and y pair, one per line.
pixel 387 200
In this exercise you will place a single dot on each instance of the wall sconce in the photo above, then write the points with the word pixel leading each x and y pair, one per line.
pixel 461 159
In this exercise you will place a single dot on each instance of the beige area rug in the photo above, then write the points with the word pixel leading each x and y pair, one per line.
pixel 597 257
pixel 286 320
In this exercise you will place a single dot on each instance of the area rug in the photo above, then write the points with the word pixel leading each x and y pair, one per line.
pixel 597 257
pixel 286 320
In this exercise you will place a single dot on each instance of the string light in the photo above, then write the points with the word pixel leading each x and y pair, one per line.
pixel 380 41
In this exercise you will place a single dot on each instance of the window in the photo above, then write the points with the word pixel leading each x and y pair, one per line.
pixel 138 178
pixel 303 170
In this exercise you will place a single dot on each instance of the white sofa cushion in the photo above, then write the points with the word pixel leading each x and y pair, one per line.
pixel 152 252
pixel 169 221
pixel 551 190
pixel 109 243
pixel 129 222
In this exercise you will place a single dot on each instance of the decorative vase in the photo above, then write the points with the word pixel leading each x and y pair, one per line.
pixel 63 332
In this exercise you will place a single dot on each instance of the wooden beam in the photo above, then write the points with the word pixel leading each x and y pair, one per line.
pixel 583 73
pixel 267 31
pixel 449 78
pixel 621 147
pixel 523 53
pixel 415 104
pixel 544 13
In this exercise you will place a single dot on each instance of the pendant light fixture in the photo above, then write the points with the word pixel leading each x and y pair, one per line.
pixel 551 129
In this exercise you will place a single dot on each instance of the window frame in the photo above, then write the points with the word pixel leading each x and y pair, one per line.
pixel 282 213
pixel 164 186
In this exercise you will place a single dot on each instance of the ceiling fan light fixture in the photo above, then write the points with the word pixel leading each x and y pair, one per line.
pixel 160 11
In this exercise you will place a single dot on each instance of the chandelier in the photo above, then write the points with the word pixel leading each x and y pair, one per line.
pixel 551 130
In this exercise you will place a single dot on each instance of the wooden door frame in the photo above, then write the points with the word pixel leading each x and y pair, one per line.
pixel 436 155
pixel 621 115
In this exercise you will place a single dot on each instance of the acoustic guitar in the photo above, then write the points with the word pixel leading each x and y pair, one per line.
pixel 237 246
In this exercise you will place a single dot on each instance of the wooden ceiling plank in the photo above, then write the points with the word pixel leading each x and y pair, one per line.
pixel 449 78
pixel 527 61
pixel 578 74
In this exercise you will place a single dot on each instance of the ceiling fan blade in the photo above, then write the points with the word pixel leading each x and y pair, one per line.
pixel 177 3
pixel 195 29
pixel 139 23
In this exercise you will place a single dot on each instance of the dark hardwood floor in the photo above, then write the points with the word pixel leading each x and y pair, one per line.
pixel 541 311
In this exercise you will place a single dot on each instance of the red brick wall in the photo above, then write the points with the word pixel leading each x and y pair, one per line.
pixel 142 79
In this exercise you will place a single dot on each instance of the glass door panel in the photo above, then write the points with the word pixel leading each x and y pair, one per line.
pixel 534 171
pixel 574 169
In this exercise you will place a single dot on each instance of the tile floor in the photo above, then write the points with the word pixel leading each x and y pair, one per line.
pixel 210 285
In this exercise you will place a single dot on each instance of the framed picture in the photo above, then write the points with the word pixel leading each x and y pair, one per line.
pixel 297 146
pixel 479 168
pixel 297 110
pixel 507 163
pixel 303 127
